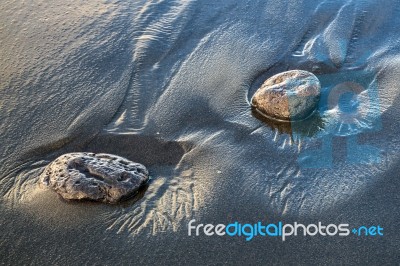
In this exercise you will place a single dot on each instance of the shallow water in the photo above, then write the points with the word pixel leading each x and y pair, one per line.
pixel 167 84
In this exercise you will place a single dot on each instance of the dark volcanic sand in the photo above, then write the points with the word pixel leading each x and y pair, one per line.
pixel 168 84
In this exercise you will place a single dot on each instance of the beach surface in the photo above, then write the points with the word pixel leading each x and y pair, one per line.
pixel 168 84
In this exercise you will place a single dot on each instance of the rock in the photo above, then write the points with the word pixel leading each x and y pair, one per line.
pixel 100 177
pixel 288 96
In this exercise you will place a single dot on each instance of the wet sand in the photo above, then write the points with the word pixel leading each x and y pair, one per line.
pixel 168 84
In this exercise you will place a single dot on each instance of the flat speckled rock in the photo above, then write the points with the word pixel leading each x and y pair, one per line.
pixel 100 177
pixel 288 96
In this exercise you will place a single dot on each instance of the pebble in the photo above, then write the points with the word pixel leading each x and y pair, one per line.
pixel 288 96
pixel 88 176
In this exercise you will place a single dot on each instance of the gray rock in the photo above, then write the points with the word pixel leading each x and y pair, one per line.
pixel 288 96
pixel 100 177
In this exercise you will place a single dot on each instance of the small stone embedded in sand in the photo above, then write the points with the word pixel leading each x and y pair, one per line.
pixel 289 96
pixel 100 177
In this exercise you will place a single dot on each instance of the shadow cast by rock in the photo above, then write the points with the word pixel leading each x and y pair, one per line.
pixel 147 150
pixel 308 127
